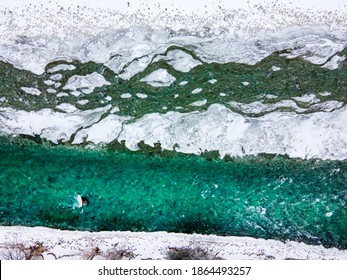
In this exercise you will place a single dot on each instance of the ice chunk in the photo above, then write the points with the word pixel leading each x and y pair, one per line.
pixel 159 78
pixel 32 91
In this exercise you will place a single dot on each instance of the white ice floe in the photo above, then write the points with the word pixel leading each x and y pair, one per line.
pixel 82 102
pixel 86 84
pixel 159 78
pixel 49 82
pixel 307 98
pixel 62 94
pixel 179 60
pixel 46 123
pixel 275 68
pixel 325 93
pixel 311 135
pixel 316 135
pixel 125 95
pixel 61 67
pixel 197 90
pixel 65 107
pixel 334 62
pixel 105 131
pixel 56 77
pixel 199 103
pixel 32 91
pixel 51 90
pixel 63 244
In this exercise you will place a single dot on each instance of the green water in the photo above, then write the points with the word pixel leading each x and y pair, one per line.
pixel 263 196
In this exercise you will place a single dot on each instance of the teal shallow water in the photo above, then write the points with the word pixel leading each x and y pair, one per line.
pixel 263 196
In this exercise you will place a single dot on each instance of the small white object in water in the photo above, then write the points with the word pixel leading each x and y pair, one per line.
pixel 223 94
pixel 141 95
pixel 159 78
pixel 32 91
pixel 183 83
pixel 68 108
pixel 275 68
pixel 49 82
pixel 108 98
pixel 176 95
pixel 56 77
pixel 82 102
pixel 212 81
pixel 270 96
pixel 329 214
pixel 125 95
pixel 60 67
pixel 115 109
pixel 245 83
pixel 197 90
pixel 61 94
pixel 325 93
pixel 51 90
pixel 199 103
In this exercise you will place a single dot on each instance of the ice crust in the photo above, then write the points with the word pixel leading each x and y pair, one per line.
pixel 313 135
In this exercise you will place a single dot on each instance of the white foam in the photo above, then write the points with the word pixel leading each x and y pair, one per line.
pixel 49 82
pixel 62 94
pixel 56 77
